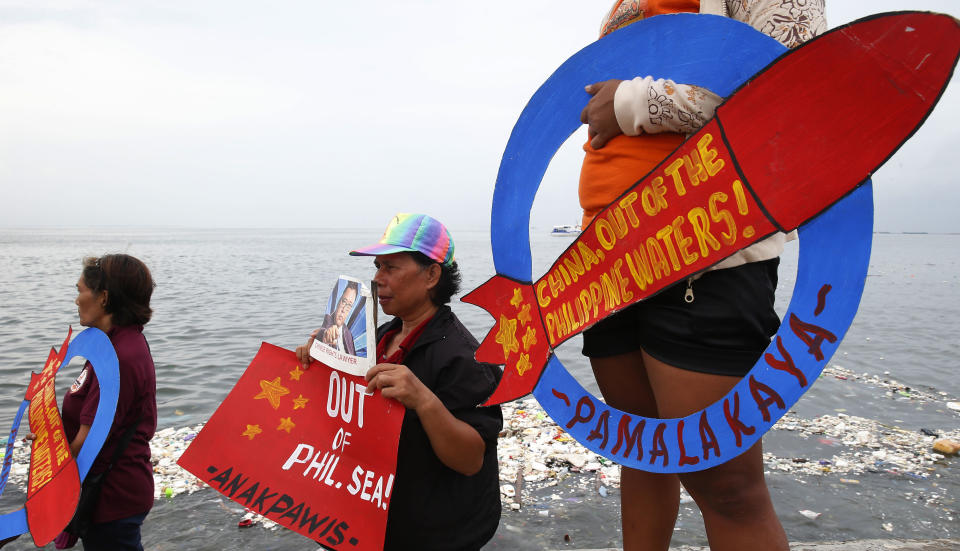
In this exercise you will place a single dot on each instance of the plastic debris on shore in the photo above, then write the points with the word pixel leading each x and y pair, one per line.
pixel 535 454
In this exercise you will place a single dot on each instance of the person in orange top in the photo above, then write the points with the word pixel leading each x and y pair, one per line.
pixel 685 348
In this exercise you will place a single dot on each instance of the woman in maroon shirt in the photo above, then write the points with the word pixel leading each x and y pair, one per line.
pixel 113 295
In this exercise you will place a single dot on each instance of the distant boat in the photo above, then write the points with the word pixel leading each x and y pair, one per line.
pixel 566 229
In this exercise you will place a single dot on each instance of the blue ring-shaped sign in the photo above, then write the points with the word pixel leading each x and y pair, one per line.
pixel 719 54
pixel 94 345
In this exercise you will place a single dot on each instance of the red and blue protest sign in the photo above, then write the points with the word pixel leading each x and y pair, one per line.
pixel 792 147
pixel 54 476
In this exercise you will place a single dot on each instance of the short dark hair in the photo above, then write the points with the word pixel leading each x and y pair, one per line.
pixel 449 283
pixel 351 285
pixel 128 284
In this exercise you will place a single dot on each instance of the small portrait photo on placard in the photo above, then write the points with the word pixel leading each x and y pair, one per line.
pixel 341 340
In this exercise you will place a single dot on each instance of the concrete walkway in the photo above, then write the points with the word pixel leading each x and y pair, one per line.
pixel 861 545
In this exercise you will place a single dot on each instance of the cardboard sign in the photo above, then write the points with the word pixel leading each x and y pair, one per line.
pixel 308 449
pixel 832 269
pixel 53 486
pixel 773 159
pixel 729 185
pixel 342 339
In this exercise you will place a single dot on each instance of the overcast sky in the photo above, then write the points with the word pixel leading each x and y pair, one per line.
pixel 320 114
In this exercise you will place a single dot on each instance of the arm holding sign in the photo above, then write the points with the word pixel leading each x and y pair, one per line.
pixel 78 440
pixel 648 105
pixel 645 106
pixel 457 444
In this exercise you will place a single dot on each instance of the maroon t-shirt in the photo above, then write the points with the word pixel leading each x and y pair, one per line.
pixel 128 488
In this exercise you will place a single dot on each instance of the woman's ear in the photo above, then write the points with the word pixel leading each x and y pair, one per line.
pixel 433 276
pixel 103 299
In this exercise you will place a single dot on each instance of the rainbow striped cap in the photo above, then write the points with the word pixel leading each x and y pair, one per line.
pixel 413 232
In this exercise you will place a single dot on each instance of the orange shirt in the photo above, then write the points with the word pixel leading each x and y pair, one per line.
pixel 608 172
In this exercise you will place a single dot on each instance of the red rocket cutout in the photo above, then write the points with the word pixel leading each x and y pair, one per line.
pixel 795 139
pixel 53 486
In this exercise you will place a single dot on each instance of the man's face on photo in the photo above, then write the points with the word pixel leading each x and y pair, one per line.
pixel 345 305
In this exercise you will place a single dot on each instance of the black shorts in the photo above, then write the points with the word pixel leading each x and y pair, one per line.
pixel 723 331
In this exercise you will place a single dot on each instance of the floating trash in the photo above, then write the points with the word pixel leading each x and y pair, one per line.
pixel 812 515
pixel 946 447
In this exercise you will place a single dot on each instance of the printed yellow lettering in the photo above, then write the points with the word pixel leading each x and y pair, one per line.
pixel 551 326
pixel 651 198
pixel 701 229
pixel 596 293
pixel 664 235
pixel 574 265
pixel 708 155
pixel 625 293
pixel 582 308
pixel 741 198
pixel 673 170
pixel 657 259
pixel 696 173
pixel 604 233
pixel 639 268
pixel 556 285
pixel 611 292
pixel 617 222
pixel 542 299
pixel 587 304
pixel 589 259
pixel 722 215
pixel 683 242
pixel 563 325
pixel 627 205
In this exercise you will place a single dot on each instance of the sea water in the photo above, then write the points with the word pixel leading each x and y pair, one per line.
pixel 220 293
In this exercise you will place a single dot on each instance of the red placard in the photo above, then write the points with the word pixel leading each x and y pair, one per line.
pixel 308 449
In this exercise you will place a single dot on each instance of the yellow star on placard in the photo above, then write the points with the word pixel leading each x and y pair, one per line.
pixel 286 424
pixel 296 373
pixel 529 338
pixel 507 336
pixel 300 402
pixel 272 391
pixel 524 316
pixel 252 430
pixel 517 298
pixel 523 364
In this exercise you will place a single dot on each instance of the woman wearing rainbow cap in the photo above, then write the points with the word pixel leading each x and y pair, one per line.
pixel 447 493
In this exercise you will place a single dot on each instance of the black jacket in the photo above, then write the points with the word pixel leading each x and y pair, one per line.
pixel 433 506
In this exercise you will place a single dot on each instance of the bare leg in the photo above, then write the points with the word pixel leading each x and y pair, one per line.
pixel 733 497
pixel 648 501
